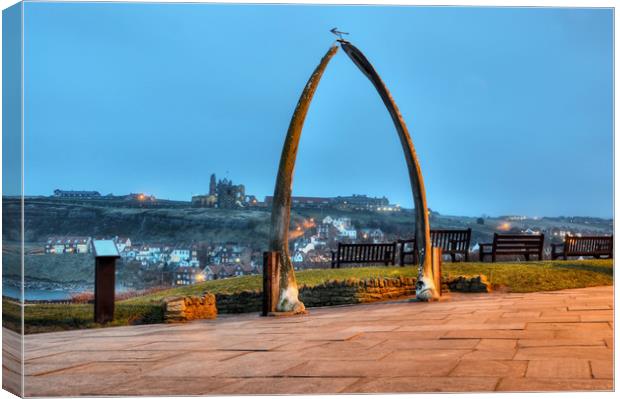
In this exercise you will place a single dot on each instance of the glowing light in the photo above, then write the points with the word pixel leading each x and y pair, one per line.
pixel 504 226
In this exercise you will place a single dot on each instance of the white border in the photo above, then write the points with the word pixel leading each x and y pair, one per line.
pixel 483 3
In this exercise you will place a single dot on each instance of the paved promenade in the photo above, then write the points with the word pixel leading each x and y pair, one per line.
pixel 477 342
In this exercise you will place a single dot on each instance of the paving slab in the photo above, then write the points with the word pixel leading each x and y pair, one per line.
pixel 423 384
pixel 489 368
pixel 554 384
pixel 556 341
pixel 602 369
pixel 366 368
pixel 564 352
pixel 559 368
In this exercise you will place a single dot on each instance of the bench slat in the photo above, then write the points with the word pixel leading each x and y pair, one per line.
pixel 586 246
pixel 364 253
pixel 514 244
pixel 452 242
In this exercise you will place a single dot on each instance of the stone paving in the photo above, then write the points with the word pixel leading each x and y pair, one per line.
pixel 552 341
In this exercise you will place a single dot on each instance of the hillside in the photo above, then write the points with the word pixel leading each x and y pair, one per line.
pixel 47 217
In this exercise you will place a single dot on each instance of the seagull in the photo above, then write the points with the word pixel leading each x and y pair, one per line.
pixel 336 32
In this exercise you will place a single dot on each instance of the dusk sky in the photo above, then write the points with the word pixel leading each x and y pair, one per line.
pixel 510 109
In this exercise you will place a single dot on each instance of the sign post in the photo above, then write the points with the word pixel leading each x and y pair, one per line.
pixel 106 254
pixel 437 255
pixel 271 281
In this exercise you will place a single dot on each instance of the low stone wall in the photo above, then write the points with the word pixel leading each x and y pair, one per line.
pixel 469 284
pixel 178 309
pixel 334 292
pixel 356 291
pixel 241 302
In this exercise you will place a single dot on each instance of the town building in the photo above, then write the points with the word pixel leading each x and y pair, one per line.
pixel 229 195
pixel 188 276
pixel 224 194
pixel 179 254
pixel 361 202
pixel 68 245
pixel 372 235
pixel 204 201
pixel 76 194
pixel 304 202
pixel 122 243
pixel 140 197
pixel 353 202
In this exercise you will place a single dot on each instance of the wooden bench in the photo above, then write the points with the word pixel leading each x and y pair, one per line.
pixel 595 246
pixel 364 253
pixel 514 244
pixel 452 242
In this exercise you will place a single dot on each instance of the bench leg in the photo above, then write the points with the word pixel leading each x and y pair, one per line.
pixel 493 257
pixel 453 257
pixel 527 257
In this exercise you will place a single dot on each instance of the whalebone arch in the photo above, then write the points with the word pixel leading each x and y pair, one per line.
pixel 288 295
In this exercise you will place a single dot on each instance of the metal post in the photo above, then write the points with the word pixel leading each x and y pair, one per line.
pixel 437 258
pixel 271 281
pixel 106 254
pixel 105 268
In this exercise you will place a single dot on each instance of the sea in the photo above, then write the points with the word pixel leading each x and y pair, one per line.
pixel 38 294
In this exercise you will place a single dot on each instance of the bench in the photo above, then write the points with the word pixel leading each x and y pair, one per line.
pixel 452 242
pixel 514 244
pixel 364 253
pixel 595 246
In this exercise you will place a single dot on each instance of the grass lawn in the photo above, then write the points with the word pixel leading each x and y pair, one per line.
pixel 515 277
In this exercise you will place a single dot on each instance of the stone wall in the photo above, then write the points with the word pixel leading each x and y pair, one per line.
pixel 334 292
pixel 241 302
pixel 178 309
pixel 356 291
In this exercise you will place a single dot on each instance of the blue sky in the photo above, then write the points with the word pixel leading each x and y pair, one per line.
pixel 510 109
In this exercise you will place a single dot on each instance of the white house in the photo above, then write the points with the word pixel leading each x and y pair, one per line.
pixel 376 235
pixel 298 257
pixel 122 243
pixel 179 254
pixel 62 245
pixel 348 233
pixel 342 224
